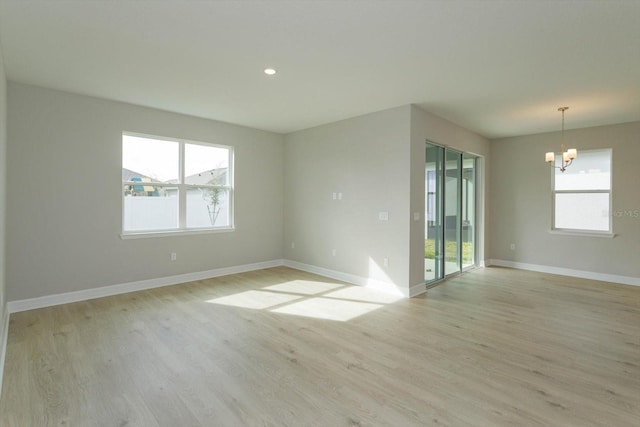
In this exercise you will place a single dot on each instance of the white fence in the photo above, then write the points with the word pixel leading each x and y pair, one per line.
pixel 161 213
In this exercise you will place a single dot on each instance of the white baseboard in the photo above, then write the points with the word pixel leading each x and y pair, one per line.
pixel 87 294
pixel 68 297
pixel 350 278
pixel 625 280
pixel 418 289
pixel 4 335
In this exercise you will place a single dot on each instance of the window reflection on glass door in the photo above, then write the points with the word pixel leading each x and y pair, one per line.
pixel 452 212
pixel 433 214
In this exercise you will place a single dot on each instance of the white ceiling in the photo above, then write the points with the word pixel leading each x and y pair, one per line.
pixel 499 68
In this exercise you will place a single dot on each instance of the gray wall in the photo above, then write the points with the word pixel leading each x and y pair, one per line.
pixel 64 196
pixel 377 161
pixel 426 126
pixel 366 159
pixel 521 202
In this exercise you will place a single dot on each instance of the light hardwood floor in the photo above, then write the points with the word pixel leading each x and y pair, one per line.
pixel 280 347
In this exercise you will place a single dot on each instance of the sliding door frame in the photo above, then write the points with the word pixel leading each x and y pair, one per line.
pixel 441 260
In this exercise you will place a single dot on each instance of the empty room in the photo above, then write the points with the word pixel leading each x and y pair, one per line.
pixel 319 213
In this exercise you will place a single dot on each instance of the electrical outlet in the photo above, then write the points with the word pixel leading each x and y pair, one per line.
pixel 385 262
pixel 513 246
pixel 174 256
pixel 333 252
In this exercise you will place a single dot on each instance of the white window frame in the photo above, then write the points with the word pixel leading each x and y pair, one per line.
pixel 182 192
pixel 580 232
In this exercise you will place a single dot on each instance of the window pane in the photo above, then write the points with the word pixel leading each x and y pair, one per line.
pixel 433 238
pixel 591 170
pixel 206 165
pixel 150 160
pixel 582 211
pixel 166 179
pixel 207 207
pixel 150 208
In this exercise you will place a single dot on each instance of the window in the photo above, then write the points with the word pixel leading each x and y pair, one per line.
pixel 582 194
pixel 172 185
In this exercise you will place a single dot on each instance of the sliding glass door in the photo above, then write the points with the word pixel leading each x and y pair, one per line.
pixel 452 212
pixel 433 239
pixel 450 178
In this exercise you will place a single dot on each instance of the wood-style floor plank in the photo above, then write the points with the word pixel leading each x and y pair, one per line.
pixel 280 347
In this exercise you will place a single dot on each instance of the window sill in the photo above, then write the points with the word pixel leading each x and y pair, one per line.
pixel 194 232
pixel 605 235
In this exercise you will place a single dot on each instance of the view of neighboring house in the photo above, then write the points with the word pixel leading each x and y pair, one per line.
pixel 153 204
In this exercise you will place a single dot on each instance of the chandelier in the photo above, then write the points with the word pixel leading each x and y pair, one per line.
pixel 567 155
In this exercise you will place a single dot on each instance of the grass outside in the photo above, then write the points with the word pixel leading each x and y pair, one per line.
pixel 450 251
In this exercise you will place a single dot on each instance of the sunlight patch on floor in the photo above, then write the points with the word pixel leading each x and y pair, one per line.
pixel 308 298
pixel 327 308
pixel 258 300
pixel 305 287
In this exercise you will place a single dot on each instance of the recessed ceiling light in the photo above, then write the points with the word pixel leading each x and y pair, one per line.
pixel 269 71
